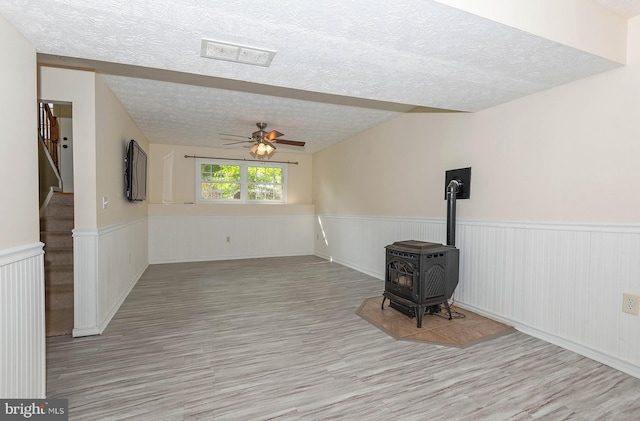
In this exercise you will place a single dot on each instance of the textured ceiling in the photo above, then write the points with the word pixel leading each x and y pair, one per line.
pixel 340 67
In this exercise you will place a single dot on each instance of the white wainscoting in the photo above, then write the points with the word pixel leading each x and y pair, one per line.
pixel 358 242
pixel 562 283
pixel 22 335
pixel 107 264
pixel 189 238
pixel 85 283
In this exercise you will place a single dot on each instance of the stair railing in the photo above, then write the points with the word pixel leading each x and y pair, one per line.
pixel 48 128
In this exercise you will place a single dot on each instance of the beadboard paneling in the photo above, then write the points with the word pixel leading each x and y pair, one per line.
pixel 560 282
pixel 85 282
pixel 107 264
pixel 358 242
pixel 22 336
pixel 189 238
pixel 122 260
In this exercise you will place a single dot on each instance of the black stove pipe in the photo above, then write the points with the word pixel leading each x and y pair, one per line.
pixel 452 191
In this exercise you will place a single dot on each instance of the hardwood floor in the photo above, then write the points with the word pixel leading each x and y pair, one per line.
pixel 278 339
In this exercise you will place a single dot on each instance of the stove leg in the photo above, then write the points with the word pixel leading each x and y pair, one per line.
pixel 446 304
pixel 383 299
pixel 419 314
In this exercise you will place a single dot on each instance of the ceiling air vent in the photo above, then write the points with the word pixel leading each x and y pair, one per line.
pixel 238 53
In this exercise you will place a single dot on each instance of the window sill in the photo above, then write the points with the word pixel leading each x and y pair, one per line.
pixel 225 209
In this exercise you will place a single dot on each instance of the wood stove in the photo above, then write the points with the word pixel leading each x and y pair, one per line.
pixel 419 277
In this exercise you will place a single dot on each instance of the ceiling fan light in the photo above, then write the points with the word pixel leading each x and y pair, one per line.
pixel 262 149
pixel 254 149
pixel 269 149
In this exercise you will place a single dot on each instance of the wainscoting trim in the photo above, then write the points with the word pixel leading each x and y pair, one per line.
pixel 16 254
pixel 118 303
pixel 556 226
pixel 85 282
pixel 22 334
pixel 193 238
pixel 107 264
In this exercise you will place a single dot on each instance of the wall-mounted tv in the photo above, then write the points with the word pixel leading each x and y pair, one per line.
pixel 135 172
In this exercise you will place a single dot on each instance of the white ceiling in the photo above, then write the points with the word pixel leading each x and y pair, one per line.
pixel 340 67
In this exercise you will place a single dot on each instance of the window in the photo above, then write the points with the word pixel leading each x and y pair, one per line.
pixel 219 181
pixel 264 183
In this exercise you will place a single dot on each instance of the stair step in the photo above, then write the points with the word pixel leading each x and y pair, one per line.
pixel 58 298
pixel 62 198
pixel 59 322
pixel 64 267
pixel 59 288
pixel 59 210
pixel 56 238
pixel 58 274
pixel 56 227
pixel 58 256
pixel 56 223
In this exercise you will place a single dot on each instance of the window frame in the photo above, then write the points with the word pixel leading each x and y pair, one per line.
pixel 244 182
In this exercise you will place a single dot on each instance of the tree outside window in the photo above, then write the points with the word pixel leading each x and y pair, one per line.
pixel 264 183
pixel 219 181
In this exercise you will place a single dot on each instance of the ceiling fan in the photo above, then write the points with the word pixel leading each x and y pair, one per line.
pixel 264 143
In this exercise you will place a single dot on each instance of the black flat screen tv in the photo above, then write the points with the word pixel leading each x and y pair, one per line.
pixel 135 173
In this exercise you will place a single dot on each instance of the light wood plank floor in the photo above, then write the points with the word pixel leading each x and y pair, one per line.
pixel 278 339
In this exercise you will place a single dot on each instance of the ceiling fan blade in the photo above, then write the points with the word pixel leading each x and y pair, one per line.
pixel 235 143
pixel 272 135
pixel 234 135
pixel 289 142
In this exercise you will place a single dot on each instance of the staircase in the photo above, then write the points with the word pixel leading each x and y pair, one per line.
pixel 56 233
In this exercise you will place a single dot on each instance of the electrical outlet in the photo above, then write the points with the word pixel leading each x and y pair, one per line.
pixel 631 304
pixel 228 239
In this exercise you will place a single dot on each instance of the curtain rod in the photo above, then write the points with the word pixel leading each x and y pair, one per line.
pixel 242 159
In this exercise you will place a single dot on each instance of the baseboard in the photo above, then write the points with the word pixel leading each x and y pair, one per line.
pixel 361 269
pixel 87 331
pixel 118 303
pixel 585 351
pixel 322 256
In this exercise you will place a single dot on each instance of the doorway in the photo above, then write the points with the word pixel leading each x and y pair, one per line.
pixel 57 217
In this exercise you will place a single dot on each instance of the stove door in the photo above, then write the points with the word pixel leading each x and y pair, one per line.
pixel 402 279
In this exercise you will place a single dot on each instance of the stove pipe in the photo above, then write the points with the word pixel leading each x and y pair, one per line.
pixel 452 191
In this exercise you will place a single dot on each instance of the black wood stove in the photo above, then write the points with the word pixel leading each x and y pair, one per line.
pixel 419 277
